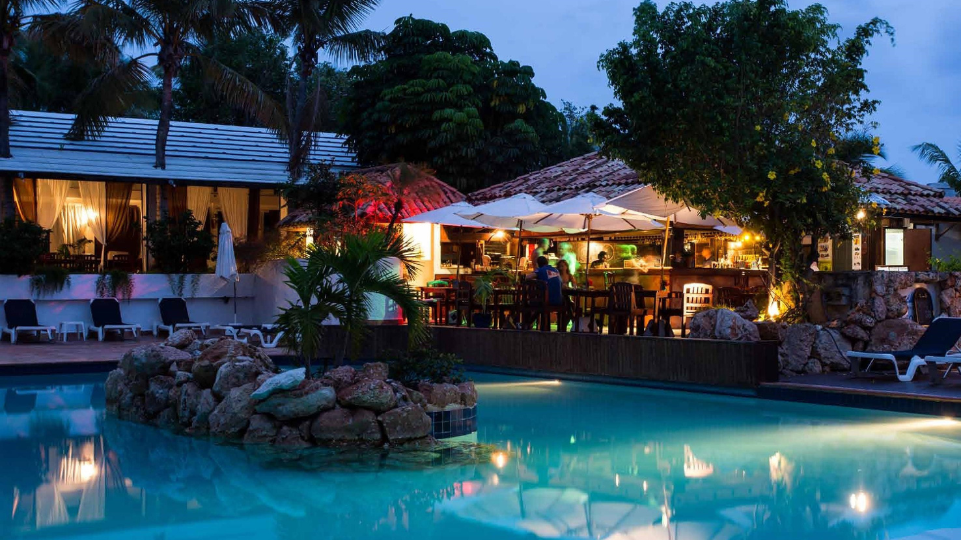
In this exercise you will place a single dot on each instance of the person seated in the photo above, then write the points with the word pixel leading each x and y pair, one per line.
pixel 660 327
pixel 564 269
pixel 601 261
pixel 548 274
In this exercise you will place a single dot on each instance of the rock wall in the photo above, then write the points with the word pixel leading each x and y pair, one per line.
pixel 226 389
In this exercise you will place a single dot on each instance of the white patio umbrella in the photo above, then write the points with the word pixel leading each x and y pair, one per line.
pixel 226 261
pixel 448 216
pixel 591 212
pixel 511 212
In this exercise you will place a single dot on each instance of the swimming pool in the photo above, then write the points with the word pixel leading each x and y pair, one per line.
pixel 574 460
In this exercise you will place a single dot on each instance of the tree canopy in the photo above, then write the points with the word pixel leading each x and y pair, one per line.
pixel 737 109
pixel 443 98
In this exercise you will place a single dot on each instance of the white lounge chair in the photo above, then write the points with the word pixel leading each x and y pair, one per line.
pixel 939 338
pixel 106 317
pixel 173 312
pixel 22 317
pixel 948 361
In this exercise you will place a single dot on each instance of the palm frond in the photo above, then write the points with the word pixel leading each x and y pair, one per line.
pixel 354 47
pixel 932 154
pixel 241 93
pixel 109 96
pixel 342 16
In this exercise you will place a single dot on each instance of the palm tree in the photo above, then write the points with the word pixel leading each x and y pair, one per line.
pixel 319 296
pixel 318 25
pixel 170 32
pixel 362 264
pixel 948 172
pixel 13 15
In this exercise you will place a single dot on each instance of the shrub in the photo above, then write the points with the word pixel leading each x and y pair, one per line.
pixel 48 280
pixel 424 364
pixel 951 263
pixel 115 284
pixel 21 245
pixel 178 244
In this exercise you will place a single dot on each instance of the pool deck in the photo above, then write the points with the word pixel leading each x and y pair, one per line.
pixel 27 358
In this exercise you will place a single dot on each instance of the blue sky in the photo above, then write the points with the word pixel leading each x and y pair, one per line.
pixel 917 80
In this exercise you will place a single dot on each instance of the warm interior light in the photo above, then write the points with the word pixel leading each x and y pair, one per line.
pixel 309 239
pixel 757 237
pixel 773 307
pixel 499 459
pixel 859 501
pixel 419 235
pixel 88 470
pixel 498 235
pixel 861 214
pixel 747 237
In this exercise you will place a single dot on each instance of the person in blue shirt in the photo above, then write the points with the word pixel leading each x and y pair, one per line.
pixel 548 274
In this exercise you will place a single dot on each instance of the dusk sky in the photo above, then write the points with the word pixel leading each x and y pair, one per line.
pixel 917 79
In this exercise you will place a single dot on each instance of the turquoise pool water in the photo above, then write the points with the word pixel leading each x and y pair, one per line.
pixel 576 461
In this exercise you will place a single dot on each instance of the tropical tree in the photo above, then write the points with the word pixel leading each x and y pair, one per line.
pixel 736 108
pixel 443 98
pixel 948 172
pixel 332 27
pixel 319 296
pixel 170 33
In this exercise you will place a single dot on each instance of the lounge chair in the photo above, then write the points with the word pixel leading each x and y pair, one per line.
pixel 106 317
pixel 175 317
pixel 22 317
pixel 940 337
pixel 949 362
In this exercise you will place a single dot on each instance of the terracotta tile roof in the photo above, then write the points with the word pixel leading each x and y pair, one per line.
pixel 590 172
pixel 610 178
pixel 425 195
pixel 907 198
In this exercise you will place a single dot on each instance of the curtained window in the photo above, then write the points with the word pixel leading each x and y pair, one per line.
pixel 25 195
pixel 233 204
pixel 198 202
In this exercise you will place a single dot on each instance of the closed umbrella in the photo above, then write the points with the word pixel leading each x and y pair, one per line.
pixel 226 261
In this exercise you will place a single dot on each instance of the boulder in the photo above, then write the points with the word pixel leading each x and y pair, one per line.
pixel 231 350
pixel 813 365
pixel 182 378
pixel 795 350
pixel 158 394
pixel 181 339
pixel 440 395
pixel 861 319
pixel 879 310
pixel 346 425
pixel 829 347
pixel 417 398
pixel 308 399
pixel 114 387
pixel 287 380
pixel 375 395
pixel 234 374
pixel 195 347
pixel 702 325
pixel 376 371
pixel 896 305
pixel 405 424
pixel 262 430
pixel 131 407
pixel 898 281
pixel 150 360
pixel 732 327
pixel 950 302
pixel 291 438
pixel 927 277
pixel 189 400
pixel 468 394
pixel 167 419
pixel 231 417
pixel 748 311
pixel 400 391
pixel 770 331
pixel 855 332
pixel 205 407
pixel 895 335
pixel 340 377
pixel 204 372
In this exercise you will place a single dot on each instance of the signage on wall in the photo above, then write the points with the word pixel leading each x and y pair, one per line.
pixel 825 255
pixel 856 251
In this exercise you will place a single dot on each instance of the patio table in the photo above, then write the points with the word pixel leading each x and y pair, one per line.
pixel 585 296
pixel 445 295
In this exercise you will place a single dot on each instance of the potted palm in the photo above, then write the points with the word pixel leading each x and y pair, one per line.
pixel 483 290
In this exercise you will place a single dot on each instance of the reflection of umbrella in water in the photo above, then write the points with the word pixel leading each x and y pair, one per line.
pixel 570 513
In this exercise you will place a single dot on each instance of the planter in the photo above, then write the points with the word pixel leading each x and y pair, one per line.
pixel 483 320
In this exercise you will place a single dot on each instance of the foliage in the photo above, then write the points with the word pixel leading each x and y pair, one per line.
pixel 484 285
pixel 443 98
pixel 948 172
pixel 170 33
pixel 21 245
pixel 178 244
pixel 273 246
pixel 47 80
pixel 178 284
pixel 314 27
pixel 362 264
pixel 115 284
pixel 577 131
pixel 259 57
pixel 951 263
pixel 736 109
pixel 319 296
pixel 424 364
pixel 48 280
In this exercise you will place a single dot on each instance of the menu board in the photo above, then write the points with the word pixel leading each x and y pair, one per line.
pixel 825 255
pixel 856 251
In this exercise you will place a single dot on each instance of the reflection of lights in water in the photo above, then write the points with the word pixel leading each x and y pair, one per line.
pixel 696 468
pixel 644 485
pixel 617 480
pixel 518 384
pixel 499 459
pixel 495 480
pixel 647 449
pixel 88 470
pixel 859 501
pixel 665 517
pixel 573 439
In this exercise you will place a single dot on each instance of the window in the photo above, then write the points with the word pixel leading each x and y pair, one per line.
pixel 894 247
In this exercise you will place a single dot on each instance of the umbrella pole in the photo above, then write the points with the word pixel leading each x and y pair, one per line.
pixel 235 301
pixel 587 266
pixel 460 234
pixel 517 265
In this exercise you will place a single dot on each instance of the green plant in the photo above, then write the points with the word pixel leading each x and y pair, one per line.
pixel 115 284
pixel 21 245
pixel 48 280
pixel 951 263
pixel 484 285
pixel 274 246
pixel 178 244
pixel 178 284
pixel 424 364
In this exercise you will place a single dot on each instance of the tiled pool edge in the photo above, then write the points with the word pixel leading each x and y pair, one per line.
pixel 453 423
pixel 861 399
